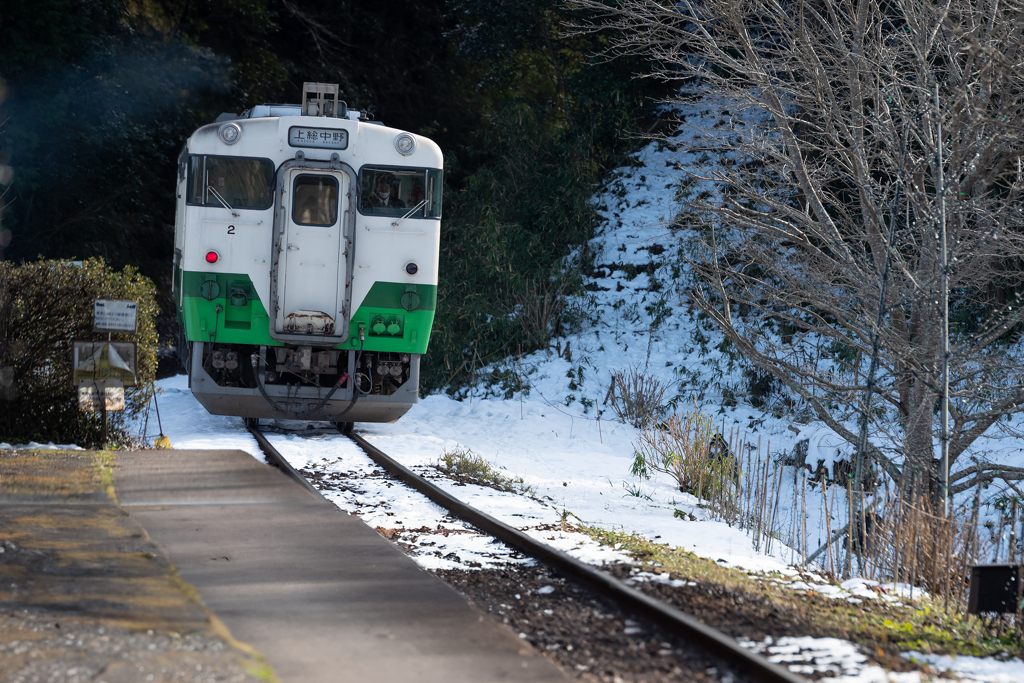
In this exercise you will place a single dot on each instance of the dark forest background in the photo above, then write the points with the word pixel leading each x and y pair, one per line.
pixel 97 97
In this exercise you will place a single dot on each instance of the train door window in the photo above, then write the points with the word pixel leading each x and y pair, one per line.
pixel 315 200
pixel 241 182
pixel 394 191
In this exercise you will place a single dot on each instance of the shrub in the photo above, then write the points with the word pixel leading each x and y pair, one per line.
pixel 636 396
pixel 686 448
pixel 44 307
pixel 539 309
pixel 760 385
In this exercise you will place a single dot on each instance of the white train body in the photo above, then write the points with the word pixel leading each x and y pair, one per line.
pixel 306 253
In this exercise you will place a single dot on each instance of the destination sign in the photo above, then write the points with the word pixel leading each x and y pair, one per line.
pixel 319 138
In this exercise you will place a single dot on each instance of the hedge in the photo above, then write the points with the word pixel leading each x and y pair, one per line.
pixel 44 307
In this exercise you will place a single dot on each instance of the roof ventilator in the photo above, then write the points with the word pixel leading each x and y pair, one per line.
pixel 321 99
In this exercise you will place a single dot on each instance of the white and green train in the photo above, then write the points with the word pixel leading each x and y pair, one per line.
pixel 305 262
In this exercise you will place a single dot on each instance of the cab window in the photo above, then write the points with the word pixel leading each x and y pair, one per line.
pixel 390 191
pixel 241 182
pixel 315 200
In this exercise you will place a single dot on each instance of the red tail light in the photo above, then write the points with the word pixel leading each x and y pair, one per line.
pixel 212 257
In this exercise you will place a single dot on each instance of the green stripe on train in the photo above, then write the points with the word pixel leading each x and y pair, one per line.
pixel 243 318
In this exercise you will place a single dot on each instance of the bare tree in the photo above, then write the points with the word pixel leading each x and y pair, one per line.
pixel 868 129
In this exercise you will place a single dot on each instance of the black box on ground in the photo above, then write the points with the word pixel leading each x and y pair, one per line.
pixel 993 588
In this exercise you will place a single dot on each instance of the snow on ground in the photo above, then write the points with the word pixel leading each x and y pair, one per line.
pixel 435 539
pixel 189 425
pixel 569 462
pixel 973 668
pixel 839 660
pixel 842 662
pixel 562 439
pixel 33 446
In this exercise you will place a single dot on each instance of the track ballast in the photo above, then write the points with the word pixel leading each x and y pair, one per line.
pixel 629 599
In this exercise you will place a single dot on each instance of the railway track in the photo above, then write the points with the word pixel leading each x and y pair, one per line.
pixel 629 599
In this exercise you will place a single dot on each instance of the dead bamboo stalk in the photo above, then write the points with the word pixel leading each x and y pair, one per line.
pixel 773 514
pixel 761 506
pixel 792 516
pixel 1011 548
pixel 741 489
pixel 752 487
pixel 912 578
pixel 828 523
pixel 803 520
pixel 901 517
pixel 970 547
pixel 1020 584
pixel 863 533
pixel 848 564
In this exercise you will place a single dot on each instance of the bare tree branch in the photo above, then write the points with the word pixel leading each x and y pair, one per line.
pixel 833 110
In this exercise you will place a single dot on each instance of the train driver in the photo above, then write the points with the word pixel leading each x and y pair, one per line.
pixel 381 197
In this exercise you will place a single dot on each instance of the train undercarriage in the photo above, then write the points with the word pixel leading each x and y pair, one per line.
pixel 303 382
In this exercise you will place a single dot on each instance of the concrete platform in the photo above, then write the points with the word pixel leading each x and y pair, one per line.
pixel 85 595
pixel 319 594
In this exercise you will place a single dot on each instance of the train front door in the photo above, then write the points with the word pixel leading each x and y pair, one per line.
pixel 312 261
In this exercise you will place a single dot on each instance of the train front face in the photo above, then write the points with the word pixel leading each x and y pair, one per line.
pixel 305 261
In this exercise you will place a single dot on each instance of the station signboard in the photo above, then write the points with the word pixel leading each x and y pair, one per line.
pixel 92 396
pixel 115 316
pixel 104 362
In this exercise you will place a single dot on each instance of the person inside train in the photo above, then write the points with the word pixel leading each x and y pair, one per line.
pixel 382 196
pixel 315 201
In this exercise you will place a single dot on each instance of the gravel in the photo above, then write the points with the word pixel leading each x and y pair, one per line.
pixel 588 636
pixel 38 647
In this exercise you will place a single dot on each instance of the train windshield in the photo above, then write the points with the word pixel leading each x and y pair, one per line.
pixel 389 191
pixel 242 183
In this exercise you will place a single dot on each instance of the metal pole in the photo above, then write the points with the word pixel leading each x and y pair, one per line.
pixel 940 188
pixel 103 402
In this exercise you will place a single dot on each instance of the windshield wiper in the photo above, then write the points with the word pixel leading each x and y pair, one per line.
pixel 222 201
pixel 409 213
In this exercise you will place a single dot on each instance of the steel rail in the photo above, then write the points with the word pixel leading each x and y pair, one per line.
pixel 275 459
pixel 632 600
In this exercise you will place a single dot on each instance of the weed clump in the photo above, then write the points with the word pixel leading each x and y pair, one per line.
pixel 686 447
pixel 636 396
pixel 463 463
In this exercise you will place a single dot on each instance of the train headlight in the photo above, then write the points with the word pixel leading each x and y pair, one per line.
pixel 405 144
pixel 212 257
pixel 230 133
pixel 411 268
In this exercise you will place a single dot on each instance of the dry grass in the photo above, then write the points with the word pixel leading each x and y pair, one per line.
pixel 539 309
pixel 898 535
pixel 884 628
pixel 465 464
pixel 909 540
pixel 636 396
pixel 686 448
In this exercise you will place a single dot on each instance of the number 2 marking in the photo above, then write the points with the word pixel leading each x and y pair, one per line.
pixel 231 230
